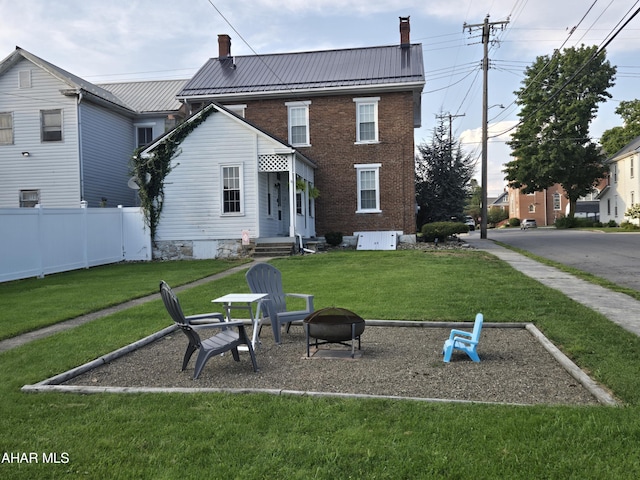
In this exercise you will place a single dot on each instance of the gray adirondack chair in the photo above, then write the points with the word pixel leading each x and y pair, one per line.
pixel 265 278
pixel 227 339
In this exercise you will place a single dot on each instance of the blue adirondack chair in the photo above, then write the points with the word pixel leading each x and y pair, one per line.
pixel 464 341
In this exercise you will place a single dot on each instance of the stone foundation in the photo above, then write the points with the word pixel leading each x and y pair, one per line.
pixel 200 249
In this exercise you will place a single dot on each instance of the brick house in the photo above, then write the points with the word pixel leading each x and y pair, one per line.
pixel 351 111
pixel 548 205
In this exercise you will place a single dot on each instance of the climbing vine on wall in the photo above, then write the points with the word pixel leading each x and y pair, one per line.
pixel 151 169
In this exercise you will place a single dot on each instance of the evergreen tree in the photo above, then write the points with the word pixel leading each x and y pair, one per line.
pixel 558 100
pixel 443 174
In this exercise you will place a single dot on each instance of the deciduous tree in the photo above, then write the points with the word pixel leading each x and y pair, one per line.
pixel 616 138
pixel 559 99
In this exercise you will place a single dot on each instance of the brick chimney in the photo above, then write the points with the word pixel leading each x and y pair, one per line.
pixel 224 46
pixel 404 32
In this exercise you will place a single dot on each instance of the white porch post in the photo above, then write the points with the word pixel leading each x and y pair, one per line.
pixel 292 195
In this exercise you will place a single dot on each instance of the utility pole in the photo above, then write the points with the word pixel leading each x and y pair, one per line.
pixel 487 27
pixel 450 117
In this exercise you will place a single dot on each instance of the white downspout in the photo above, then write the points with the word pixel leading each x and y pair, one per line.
pixel 80 155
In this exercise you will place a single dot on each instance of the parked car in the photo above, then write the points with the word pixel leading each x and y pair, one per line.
pixel 470 223
pixel 528 223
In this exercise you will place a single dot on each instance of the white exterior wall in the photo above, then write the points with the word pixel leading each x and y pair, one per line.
pixel 623 189
pixel 52 167
pixel 107 147
pixel 193 190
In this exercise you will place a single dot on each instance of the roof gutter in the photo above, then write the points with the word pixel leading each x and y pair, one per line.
pixel 318 91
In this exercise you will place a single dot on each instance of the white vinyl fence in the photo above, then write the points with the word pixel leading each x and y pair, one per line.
pixel 39 241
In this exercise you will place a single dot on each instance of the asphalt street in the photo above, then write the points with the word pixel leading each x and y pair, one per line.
pixel 613 256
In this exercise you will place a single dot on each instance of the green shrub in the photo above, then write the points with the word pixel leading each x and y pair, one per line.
pixel 333 238
pixel 629 226
pixel 514 222
pixel 575 222
pixel 442 230
pixel 612 224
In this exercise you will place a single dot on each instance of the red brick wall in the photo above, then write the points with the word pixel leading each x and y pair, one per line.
pixel 332 132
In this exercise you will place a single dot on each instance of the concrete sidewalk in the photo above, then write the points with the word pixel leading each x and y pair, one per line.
pixel 617 307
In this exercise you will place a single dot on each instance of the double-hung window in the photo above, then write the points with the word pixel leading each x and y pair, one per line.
pixel 367 119
pixel 232 190
pixel 298 113
pixel 51 125
pixel 556 201
pixel 145 135
pixel 368 187
pixel 6 128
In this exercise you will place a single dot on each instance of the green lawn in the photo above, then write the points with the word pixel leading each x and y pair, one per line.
pixel 264 437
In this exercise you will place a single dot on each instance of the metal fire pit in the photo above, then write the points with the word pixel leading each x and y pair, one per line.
pixel 334 325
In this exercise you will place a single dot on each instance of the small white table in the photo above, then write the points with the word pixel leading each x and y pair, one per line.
pixel 244 301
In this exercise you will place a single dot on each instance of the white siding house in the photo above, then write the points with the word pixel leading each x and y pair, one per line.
pixel 623 190
pixel 64 140
pixel 230 177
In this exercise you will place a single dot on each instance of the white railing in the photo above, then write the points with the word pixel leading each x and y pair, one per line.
pixel 39 241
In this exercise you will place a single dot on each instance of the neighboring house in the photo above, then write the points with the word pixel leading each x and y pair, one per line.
pixel 231 180
pixel 545 206
pixel 550 204
pixel 64 140
pixel 501 202
pixel 623 189
pixel 352 111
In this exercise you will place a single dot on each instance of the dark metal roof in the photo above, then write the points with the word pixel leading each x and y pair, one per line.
pixel 332 69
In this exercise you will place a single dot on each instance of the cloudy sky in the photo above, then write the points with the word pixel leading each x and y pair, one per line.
pixel 124 40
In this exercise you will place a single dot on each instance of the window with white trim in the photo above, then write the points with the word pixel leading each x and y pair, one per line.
pixel 51 125
pixel 232 190
pixel 6 128
pixel 532 208
pixel 29 198
pixel 368 187
pixel 298 114
pixel 144 136
pixel 631 169
pixel 556 201
pixel 367 119
pixel 24 79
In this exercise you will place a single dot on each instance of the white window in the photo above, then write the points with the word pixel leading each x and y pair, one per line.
pixel 144 136
pixel 237 109
pixel 631 169
pixel 368 188
pixel 614 167
pixel 29 198
pixel 532 208
pixel 51 125
pixel 232 190
pixel 6 128
pixel 367 119
pixel 298 123
pixel 556 201
pixel 24 79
